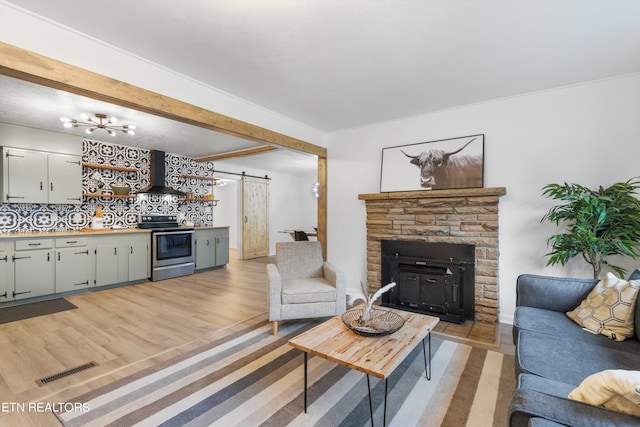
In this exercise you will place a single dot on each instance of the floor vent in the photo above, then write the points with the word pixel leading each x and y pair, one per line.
pixel 51 378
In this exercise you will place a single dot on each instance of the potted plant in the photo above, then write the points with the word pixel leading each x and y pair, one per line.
pixel 99 182
pixel 599 223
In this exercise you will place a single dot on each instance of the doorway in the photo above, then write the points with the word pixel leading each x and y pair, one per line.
pixel 255 217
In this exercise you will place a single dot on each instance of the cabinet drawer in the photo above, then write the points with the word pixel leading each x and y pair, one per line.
pixel 27 244
pixel 67 242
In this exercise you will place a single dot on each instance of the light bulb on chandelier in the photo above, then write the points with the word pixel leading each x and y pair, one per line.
pixel 102 122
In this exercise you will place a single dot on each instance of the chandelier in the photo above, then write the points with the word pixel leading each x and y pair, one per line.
pixel 100 122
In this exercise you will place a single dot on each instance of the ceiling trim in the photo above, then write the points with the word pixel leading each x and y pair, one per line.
pixel 36 68
pixel 232 154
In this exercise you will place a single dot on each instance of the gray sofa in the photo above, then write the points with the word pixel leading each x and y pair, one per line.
pixel 554 355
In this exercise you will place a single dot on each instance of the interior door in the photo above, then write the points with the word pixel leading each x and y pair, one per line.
pixel 255 217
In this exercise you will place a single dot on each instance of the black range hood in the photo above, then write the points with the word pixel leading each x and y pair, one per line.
pixel 157 176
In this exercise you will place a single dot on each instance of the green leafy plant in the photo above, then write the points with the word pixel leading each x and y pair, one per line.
pixel 599 223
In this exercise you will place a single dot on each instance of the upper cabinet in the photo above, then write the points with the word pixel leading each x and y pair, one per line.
pixel 65 178
pixel 30 176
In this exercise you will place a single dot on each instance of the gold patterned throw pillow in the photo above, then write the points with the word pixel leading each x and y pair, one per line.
pixel 609 308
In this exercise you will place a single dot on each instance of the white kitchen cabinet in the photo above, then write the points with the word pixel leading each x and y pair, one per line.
pixel 222 247
pixel 72 264
pixel 24 176
pixel 6 271
pixel 30 176
pixel 139 262
pixel 212 247
pixel 34 268
pixel 204 250
pixel 121 258
pixel 64 179
pixel 107 265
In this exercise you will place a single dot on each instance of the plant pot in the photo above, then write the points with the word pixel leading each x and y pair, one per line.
pixel 121 191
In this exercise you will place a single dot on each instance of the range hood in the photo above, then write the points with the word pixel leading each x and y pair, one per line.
pixel 157 176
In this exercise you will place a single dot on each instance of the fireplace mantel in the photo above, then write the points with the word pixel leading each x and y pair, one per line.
pixel 466 216
pixel 432 194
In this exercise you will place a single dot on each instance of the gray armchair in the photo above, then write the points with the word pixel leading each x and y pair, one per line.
pixel 302 285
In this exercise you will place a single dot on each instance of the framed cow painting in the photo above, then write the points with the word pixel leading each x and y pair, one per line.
pixel 435 165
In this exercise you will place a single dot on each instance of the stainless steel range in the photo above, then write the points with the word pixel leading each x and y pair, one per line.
pixel 172 246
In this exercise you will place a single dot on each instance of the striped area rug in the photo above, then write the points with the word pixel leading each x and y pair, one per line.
pixel 250 378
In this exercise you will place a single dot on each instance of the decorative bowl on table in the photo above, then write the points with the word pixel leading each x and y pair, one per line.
pixel 120 191
pixel 380 322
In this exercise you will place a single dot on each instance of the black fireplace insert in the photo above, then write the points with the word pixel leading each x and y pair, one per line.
pixel 431 278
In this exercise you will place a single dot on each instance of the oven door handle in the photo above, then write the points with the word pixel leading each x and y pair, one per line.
pixel 166 233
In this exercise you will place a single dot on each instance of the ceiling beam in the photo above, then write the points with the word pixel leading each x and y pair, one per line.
pixel 36 68
pixel 232 154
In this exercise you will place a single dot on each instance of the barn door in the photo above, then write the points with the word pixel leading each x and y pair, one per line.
pixel 255 217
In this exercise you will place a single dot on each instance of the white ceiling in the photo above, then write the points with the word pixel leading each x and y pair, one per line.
pixel 335 64
pixel 28 104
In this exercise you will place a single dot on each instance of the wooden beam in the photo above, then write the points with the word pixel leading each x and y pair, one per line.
pixel 35 68
pixel 429 194
pixel 322 205
pixel 232 154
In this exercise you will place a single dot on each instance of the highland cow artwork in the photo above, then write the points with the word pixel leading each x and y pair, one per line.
pixel 436 165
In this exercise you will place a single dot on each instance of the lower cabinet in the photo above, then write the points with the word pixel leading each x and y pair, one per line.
pixel 34 268
pixel 139 260
pixel 222 247
pixel 107 264
pixel 212 248
pixel 122 258
pixel 6 271
pixel 72 264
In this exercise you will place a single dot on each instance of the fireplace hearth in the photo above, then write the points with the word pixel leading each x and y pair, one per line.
pixel 431 278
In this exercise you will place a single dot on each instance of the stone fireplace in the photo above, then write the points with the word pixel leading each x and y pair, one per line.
pixel 463 216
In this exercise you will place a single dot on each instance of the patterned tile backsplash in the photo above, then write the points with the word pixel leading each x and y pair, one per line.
pixel 24 217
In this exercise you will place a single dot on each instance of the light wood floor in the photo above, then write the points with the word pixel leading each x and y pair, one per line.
pixel 126 329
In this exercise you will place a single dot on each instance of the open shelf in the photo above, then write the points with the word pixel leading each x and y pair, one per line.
pixel 109 167
pixel 203 178
pixel 214 202
pixel 110 196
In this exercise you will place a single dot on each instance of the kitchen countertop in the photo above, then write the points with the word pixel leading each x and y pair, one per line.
pixel 211 227
pixel 90 232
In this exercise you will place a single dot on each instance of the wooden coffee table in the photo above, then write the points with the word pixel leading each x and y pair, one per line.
pixel 377 356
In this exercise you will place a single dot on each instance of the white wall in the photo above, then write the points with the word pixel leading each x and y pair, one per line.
pixel 41 140
pixel 226 213
pixel 586 134
pixel 291 205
